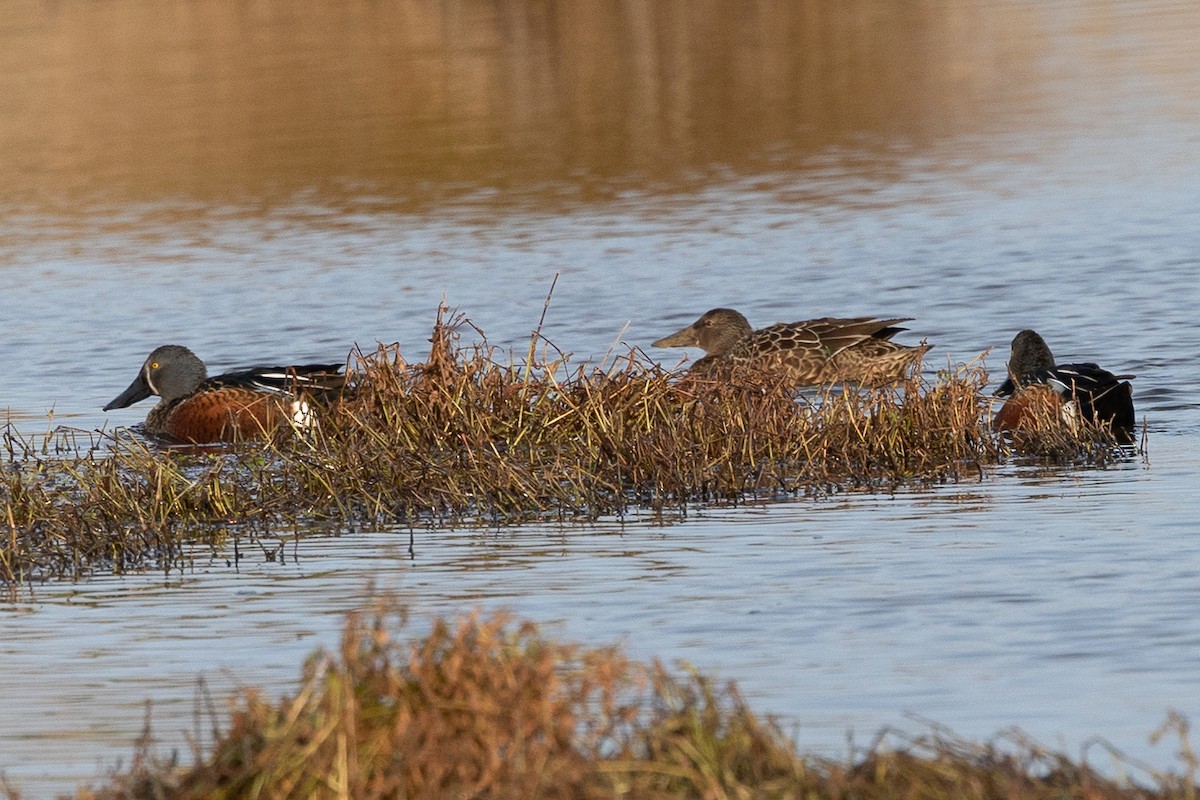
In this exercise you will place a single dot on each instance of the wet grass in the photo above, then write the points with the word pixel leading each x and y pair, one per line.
pixel 472 436
pixel 485 707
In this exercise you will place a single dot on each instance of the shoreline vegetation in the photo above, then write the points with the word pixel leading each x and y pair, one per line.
pixel 469 438
pixel 489 707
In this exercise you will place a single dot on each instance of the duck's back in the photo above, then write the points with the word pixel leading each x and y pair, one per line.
pixel 829 350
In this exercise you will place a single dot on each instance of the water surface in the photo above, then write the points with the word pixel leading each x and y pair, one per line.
pixel 267 186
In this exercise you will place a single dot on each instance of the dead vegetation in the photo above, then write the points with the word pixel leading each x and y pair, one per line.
pixel 489 708
pixel 469 437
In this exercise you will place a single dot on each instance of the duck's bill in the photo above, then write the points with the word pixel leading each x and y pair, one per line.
pixel 137 391
pixel 1006 389
pixel 684 338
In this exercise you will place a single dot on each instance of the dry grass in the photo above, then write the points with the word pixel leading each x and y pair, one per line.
pixel 479 708
pixel 466 438
pixel 465 435
pixel 1043 432
pixel 488 708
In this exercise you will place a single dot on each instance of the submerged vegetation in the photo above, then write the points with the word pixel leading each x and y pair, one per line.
pixel 491 708
pixel 465 438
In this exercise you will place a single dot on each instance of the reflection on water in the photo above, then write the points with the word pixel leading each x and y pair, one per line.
pixel 420 99
pixel 266 185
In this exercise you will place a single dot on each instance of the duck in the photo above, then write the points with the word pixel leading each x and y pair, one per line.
pixel 809 353
pixel 243 404
pixel 1037 388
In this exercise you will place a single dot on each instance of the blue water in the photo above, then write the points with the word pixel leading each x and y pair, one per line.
pixel 1061 601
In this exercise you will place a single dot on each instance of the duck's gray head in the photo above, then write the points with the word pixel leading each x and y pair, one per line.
pixel 171 372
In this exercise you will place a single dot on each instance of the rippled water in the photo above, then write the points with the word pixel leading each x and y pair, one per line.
pixel 978 169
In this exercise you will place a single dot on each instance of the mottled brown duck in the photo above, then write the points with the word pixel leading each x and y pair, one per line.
pixel 809 353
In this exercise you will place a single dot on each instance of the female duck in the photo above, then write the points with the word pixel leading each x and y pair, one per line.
pixel 817 351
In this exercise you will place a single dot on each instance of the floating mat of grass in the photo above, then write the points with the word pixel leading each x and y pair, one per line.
pixel 469 438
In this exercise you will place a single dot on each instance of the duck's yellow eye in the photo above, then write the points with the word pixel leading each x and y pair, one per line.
pixel 154 365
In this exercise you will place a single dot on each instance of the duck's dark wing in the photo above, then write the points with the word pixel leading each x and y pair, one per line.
pixel 1102 396
pixel 283 381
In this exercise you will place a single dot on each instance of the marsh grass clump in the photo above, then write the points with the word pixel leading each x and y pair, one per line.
pixel 488 707
pixel 132 506
pixel 477 708
pixel 466 435
pixel 471 436
pixel 1047 435
pixel 941 766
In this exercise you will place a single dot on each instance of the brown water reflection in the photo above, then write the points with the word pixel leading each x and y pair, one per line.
pixel 136 100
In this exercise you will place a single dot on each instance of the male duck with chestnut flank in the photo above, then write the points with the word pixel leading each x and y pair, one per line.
pixel 245 404
pixel 814 352
pixel 1076 391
